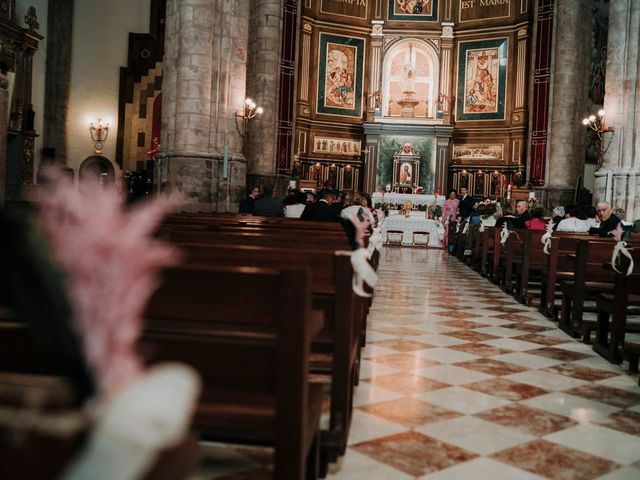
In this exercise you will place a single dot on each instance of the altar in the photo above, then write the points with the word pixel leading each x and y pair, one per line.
pixel 393 198
pixel 416 222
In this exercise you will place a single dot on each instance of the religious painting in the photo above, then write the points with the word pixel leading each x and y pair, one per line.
pixel 414 10
pixel 336 146
pixel 341 67
pixel 481 152
pixel 482 75
pixel 347 178
pixel 420 156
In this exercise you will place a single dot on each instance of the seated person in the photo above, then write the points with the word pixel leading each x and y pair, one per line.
pixel 487 212
pixel 321 210
pixel 537 221
pixel 522 211
pixel 559 213
pixel 507 217
pixel 591 216
pixel 608 220
pixel 294 204
pixel 572 222
pixel 269 205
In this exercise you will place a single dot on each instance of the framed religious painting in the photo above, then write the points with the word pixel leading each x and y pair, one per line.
pixel 413 10
pixel 482 79
pixel 340 75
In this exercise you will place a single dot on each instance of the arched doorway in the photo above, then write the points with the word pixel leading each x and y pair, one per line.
pixel 97 170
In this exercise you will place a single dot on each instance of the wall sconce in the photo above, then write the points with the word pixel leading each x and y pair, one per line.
pixel 347 167
pixel 496 173
pixel 598 125
pixel 248 113
pixel 464 173
pixel 99 133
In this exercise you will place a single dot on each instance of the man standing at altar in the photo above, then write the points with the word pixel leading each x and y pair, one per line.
pixel 466 204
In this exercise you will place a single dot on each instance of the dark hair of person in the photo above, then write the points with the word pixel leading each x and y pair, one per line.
pixel 537 211
pixel 508 210
pixel 268 190
pixel 590 211
pixel 571 210
pixel 295 197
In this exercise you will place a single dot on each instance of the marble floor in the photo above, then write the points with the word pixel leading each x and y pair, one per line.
pixel 460 381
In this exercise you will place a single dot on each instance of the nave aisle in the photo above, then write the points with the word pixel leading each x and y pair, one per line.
pixel 460 381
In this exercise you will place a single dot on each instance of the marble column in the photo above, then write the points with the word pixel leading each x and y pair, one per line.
pixel 3 135
pixel 204 87
pixel 567 136
pixel 262 87
pixel 618 179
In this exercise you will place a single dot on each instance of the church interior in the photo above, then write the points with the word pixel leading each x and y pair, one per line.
pixel 342 239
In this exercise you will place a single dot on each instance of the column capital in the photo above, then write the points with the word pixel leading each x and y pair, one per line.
pixel 447 30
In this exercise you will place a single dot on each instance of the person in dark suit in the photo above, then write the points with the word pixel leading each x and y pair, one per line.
pixel 522 209
pixel 466 204
pixel 321 210
pixel 246 205
pixel 609 221
pixel 269 205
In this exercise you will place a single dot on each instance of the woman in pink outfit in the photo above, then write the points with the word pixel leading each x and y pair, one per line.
pixel 449 212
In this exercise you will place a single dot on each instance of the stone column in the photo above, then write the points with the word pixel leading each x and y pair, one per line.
pixel 204 87
pixel 3 135
pixel 58 76
pixel 567 145
pixel 618 179
pixel 262 86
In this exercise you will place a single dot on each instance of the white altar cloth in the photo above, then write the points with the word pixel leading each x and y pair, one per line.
pixel 415 223
pixel 400 198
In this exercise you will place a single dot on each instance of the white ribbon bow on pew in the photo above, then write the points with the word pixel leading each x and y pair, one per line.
pixel 481 229
pixel 458 226
pixel 465 230
pixel 362 271
pixel 546 238
pixel 621 249
pixel 504 235
pixel 149 416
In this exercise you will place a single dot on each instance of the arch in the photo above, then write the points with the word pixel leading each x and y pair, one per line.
pixel 419 57
pixel 97 169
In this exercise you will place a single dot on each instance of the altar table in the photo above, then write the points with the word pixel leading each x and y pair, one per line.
pixel 400 198
pixel 415 223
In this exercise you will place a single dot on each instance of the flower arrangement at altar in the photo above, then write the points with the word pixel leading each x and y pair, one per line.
pixel 406 208
pixel 384 207
pixel 434 211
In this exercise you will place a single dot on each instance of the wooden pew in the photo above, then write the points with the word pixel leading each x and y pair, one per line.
pixel 331 293
pixel 513 258
pixel 491 238
pixel 247 331
pixel 613 309
pixel 590 278
pixel 560 266
pixel 534 262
